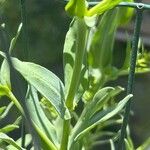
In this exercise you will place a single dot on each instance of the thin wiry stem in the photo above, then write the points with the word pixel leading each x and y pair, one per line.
pixel 25 41
pixel 133 58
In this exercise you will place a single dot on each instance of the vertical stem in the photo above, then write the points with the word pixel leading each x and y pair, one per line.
pixel 25 30
pixel 25 41
pixel 79 56
pixel 133 58
pixel 65 136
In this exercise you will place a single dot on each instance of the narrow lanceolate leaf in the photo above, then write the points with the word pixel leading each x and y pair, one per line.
pixel 38 116
pixel 47 83
pixel 70 47
pixel 27 142
pixel 9 140
pixel 83 125
pixel 100 52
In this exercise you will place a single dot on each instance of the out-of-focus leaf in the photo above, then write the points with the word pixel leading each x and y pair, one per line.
pixel 100 52
pixel 38 116
pixel 112 145
pixel 2 109
pixel 76 8
pixel 127 145
pixel 9 140
pixel 4 90
pixel 102 6
pixel 125 14
pixel 27 142
pixel 145 145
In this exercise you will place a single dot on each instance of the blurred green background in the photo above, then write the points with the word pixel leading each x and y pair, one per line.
pixel 47 26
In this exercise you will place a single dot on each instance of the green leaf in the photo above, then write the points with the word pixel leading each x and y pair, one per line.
pixel 6 111
pixel 3 90
pixel 5 74
pixel 112 145
pixel 74 54
pixel 103 6
pixel 127 145
pixel 9 140
pixel 38 117
pixel 2 109
pixel 47 83
pixel 76 8
pixel 14 40
pixel 100 53
pixel 27 142
pixel 84 125
pixel 70 47
pixel 11 127
pixel 145 145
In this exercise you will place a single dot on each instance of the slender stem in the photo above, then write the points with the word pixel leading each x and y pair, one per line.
pixel 24 27
pixel 133 58
pixel 23 134
pixel 65 136
pixel 25 41
pixel 79 55
pixel 126 4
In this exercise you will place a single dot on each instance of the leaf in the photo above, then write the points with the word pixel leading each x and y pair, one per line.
pixel 6 111
pixel 74 55
pixel 38 117
pixel 47 83
pixel 76 8
pixel 112 145
pixel 2 109
pixel 11 127
pixel 9 140
pixel 127 145
pixel 145 145
pixel 100 53
pixel 14 40
pixel 27 142
pixel 5 74
pixel 83 125
pixel 103 6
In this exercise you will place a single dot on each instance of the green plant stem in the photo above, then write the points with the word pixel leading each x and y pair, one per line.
pixel 26 55
pixel 24 27
pixel 133 58
pixel 16 102
pixel 79 55
pixel 65 136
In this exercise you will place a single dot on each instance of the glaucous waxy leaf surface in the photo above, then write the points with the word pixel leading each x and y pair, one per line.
pixel 46 82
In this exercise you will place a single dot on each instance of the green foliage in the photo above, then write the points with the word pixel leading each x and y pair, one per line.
pixel 52 106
